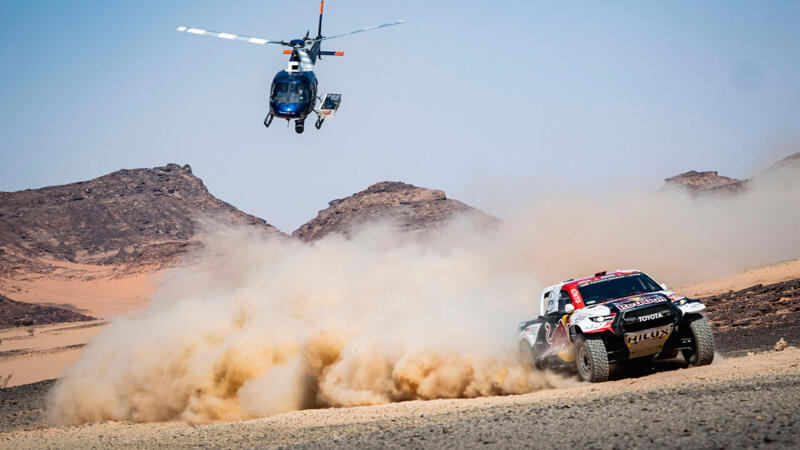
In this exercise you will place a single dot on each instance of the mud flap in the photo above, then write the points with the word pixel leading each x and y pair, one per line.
pixel 567 355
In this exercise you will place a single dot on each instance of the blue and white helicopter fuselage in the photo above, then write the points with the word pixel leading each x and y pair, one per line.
pixel 293 93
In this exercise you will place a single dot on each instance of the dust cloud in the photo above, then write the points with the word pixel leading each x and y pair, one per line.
pixel 266 325
pixel 258 326
pixel 675 237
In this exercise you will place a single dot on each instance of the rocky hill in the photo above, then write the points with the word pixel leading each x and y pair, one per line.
pixel 17 314
pixel 704 182
pixel 782 174
pixel 409 207
pixel 710 182
pixel 790 163
pixel 139 217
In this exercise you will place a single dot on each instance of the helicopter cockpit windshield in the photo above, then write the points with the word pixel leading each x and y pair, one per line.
pixel 290 92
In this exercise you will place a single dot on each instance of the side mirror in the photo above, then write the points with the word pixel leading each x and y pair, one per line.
pixel 568 308
pixel 663 286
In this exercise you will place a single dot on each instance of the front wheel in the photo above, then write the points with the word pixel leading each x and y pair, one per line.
pixel 702 351
pixel 591 359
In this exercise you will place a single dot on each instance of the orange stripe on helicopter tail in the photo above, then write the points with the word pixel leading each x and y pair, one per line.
pixel 321 5
pixel 339 53
pixel 287 52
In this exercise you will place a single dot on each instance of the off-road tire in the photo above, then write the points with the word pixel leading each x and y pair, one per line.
pixel 591 359
pixel 703 353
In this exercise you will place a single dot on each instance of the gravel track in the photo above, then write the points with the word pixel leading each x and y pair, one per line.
pixel 745 402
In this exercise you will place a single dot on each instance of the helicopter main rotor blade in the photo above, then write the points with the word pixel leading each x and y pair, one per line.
pixel 374 27
pixel 229 36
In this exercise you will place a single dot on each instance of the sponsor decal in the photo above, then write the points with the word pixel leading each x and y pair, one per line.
pixel 656 333
pixel 552 302
pixel 648 342
pixel 633 302
pixel 549 332
pixel 531 330
pixel 576 295
pixel 556 334
pixel 692 307
pixel 651 317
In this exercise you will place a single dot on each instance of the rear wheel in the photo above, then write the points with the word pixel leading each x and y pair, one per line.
pixel 525 352
pixel 591 359
pixel 702 351
pixel 528 355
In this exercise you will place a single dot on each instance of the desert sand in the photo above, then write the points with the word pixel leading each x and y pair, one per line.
pixel 766 274
pixel 99 291
pixel 735 403
pixel 32 354
pixel 53 348
pixel 747 401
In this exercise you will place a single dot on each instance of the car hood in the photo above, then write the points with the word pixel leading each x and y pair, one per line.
pixel 636 301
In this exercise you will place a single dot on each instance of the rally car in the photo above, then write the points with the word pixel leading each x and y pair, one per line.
pixel 623 316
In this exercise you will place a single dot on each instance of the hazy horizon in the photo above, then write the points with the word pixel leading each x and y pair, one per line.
pixel 487 102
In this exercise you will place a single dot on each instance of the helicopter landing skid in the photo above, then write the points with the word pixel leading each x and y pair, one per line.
pixel 268 120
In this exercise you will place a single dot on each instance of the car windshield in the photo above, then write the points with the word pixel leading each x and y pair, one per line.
pixel 612 288
pixel 286 92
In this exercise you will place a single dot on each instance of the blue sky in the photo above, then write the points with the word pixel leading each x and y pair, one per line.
pixel 482 99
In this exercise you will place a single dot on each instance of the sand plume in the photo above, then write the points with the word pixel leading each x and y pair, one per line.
pixel 261 325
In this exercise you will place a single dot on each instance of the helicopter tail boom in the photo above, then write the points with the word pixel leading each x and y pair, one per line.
pixel 319 29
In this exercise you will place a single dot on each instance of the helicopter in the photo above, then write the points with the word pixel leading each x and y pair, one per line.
pixel 293 93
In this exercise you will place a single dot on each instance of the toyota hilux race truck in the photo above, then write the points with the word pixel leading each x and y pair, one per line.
pixel 618 317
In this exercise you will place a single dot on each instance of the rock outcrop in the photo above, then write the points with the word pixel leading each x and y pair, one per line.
pixel 704 182
pixel 408 207
pixel 785 171
pixel 132 218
